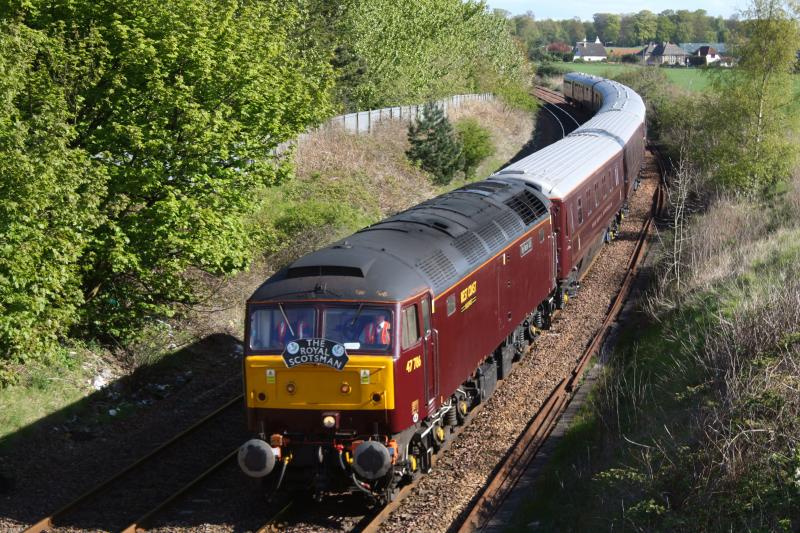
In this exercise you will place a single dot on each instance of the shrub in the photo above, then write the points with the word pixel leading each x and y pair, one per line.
pixel 547 69
pixel 476 144
pixel 434 144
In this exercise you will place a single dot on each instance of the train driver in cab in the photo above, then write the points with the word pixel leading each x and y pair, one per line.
pixel 300 330
pixel 377 332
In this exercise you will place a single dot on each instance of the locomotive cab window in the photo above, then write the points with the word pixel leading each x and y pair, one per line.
pixel 426 315
pixel 271 328
pixel 410 327
pixel 359 327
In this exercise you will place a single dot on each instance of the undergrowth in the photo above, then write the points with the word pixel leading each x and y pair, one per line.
pixel 694 426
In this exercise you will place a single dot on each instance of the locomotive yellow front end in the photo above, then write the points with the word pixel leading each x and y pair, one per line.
pixel 319 389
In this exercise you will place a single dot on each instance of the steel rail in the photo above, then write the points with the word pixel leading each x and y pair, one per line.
pixel 526 448
pixel 48 522
pixel 140 524
pixel 556 100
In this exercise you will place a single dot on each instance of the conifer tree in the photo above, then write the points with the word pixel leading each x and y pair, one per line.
pixel 434 144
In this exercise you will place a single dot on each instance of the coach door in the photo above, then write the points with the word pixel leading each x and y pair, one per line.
pixel 430 351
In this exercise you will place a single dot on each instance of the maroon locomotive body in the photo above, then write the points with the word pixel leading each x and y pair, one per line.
pixel 361 358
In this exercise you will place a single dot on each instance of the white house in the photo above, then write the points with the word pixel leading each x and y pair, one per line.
pixel 588 51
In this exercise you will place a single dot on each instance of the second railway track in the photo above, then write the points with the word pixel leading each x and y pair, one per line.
pixel 132 494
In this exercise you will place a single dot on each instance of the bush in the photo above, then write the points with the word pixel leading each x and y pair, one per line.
pixel 547 69
pixel 476 144
pixel 434 144
pixel 630 58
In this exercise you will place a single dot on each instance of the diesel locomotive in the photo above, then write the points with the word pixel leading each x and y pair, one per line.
pixel 360 358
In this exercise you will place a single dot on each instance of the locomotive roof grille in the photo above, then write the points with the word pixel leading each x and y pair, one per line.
pixel 439 269
pixel 324 270
pixel 492 236
pixel 527 206
pixel 511 225
pixel 471 247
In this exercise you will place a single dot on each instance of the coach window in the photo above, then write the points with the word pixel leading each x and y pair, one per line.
pixel 596 203
pixel 616 176
pixel 589 201
pixel 605 189
pixel 451 304
pixel 541 235
pixel 410 327
pixel 580 212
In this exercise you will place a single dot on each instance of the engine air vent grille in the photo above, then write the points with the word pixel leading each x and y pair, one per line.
pixel 527 206
pixel 324 270
pixel 439 269
pixel 492 236
pixel 470 247
pixel 510 224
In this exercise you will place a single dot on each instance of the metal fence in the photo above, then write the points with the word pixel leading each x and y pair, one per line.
pixel 364 121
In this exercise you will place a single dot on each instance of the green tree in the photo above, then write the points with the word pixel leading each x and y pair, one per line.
pixel 756 116
pixel 434 144
pixel 49 195
pixel 178 105
pixel 644 26
pixel 476 142
pixel 665 29
pixel 425 49
pixel 683 26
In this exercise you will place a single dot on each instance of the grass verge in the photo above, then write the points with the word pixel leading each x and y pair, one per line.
pixel 693 426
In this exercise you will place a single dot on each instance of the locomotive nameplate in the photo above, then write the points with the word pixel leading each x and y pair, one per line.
pixel 315 352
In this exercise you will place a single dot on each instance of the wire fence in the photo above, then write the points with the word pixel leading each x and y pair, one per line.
pixel 364 121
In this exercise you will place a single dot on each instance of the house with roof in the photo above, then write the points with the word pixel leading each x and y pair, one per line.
pixel 691 48
pixel 588 51
pixel 664 54
pixel 705 55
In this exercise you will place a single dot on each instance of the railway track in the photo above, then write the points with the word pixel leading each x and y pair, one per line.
pixel 91 510
pixel 554 103
pixel 541 426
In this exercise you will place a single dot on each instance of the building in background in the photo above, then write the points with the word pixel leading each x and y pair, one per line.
pixel 590 51
pixel 664 54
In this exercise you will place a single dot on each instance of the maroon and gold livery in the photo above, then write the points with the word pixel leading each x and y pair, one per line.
pixel 362 356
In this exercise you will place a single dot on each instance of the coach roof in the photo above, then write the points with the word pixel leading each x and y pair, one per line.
pixel 433 244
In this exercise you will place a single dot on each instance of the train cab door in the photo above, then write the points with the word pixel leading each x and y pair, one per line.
pixel 430 352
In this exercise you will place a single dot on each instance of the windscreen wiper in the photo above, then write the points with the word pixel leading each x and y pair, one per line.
pixel 280 306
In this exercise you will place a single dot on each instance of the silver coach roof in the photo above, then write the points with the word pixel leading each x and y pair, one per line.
pixel 618 125
pixel 563 166
pixel 616 96
pixel 559 168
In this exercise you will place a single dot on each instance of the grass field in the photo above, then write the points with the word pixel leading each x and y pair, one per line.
pixel 693 79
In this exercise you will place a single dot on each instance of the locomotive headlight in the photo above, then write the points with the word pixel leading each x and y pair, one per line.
pixel 329 421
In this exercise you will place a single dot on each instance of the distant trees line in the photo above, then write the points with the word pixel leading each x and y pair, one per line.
pixel 135 134
pixel 632 29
